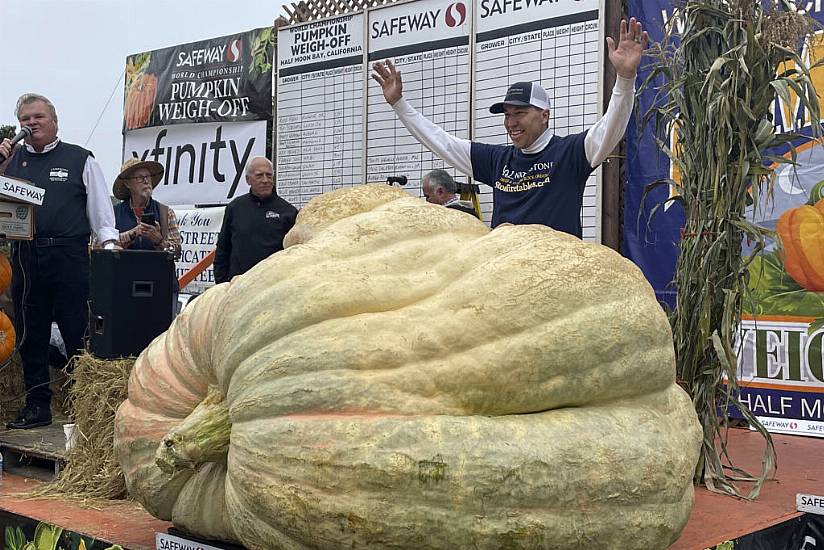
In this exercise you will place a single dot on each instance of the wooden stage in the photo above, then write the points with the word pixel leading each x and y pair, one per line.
pixel 715 518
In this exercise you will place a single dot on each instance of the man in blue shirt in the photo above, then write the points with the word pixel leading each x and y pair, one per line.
pixel 540 178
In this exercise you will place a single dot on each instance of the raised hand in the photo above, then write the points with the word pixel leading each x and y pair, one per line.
pixel 385 74
pixel 632 41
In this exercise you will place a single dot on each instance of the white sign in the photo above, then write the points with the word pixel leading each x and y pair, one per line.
pixel 16 220
pixel 813 504
pixel 499 14
pixel 457 57
pixel 14 188
pixel 320 107
pixel 428 41
pixel 791 426
pixel 199 229
pixel 205 163
pixel 171 542
pixel 418 23
pixel 321 41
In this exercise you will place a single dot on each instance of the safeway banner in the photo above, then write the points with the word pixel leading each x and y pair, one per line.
pixel 226 79
pixel 205 163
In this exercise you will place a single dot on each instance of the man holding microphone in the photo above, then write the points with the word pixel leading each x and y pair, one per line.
pixel 51 272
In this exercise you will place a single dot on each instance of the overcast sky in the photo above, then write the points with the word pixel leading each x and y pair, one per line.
pixel 74 52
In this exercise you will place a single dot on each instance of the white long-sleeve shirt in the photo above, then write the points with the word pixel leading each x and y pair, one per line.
pixel 601 139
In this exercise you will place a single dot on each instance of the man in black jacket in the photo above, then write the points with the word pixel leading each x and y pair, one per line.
pixel 254 224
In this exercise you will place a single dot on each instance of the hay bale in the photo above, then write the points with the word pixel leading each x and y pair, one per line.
pixel 13 392
pixel 98 388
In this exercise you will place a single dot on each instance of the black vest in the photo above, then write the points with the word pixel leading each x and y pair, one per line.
pixel 60 173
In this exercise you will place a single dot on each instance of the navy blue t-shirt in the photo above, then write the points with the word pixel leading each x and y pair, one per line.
pixel 546 188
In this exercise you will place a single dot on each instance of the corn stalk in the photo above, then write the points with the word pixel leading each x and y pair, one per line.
pixel 717 81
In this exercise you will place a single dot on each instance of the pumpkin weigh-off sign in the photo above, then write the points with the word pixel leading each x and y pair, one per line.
pixel 401 376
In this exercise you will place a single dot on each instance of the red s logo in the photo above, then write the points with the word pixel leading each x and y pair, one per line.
pixel 459 9
pixel 234 50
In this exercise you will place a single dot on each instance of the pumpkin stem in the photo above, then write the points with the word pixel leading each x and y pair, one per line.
pixel 202 437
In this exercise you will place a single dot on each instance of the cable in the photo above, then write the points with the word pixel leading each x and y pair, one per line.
pixel 106 106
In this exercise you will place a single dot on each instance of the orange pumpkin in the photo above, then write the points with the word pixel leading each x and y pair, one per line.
pixel 140 101
pixel 802 236
pixel 7 337
pixel 5 273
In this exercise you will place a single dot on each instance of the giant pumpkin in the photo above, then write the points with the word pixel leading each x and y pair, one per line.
pixel 402 377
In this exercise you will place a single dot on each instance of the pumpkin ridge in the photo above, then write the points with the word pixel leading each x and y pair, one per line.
pixel 321 318
pixel 257 383
pixel 304 437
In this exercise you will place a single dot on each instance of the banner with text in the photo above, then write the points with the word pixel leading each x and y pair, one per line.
pixel 204 162
pixel 225 79
pixel 199 229
pixel 779 358
pixel 781 374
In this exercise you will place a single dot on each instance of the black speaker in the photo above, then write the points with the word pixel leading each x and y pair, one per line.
pixel 131 300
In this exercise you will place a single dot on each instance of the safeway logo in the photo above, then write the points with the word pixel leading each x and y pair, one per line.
pixel 234 50
pixel 455 14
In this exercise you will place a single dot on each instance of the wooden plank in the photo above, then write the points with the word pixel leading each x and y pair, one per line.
pixel 311 10
pixel 44 442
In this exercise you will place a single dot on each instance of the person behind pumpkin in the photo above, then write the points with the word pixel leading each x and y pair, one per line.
pixel 541 177
pixel 254 224
pixel 439 188
pixel 134 186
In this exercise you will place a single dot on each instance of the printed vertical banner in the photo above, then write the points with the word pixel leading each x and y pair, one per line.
pixel 204 163
pixel 225 79
pixel 199 229
pixel 780 362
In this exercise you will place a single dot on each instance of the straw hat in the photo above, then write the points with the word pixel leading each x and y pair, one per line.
pixel 119 188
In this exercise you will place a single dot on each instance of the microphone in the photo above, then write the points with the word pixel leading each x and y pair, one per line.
pixel 24 132
pixel 400 180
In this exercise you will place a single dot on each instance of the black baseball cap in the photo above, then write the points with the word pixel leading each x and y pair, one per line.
pixel 522 94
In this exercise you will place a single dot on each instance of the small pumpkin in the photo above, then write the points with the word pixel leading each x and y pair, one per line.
pixel 402 377
pixel 5 273
pixel 140 100
pixel 801 231
pixel 7 337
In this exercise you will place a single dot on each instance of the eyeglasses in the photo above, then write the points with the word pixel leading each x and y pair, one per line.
pixel 140 178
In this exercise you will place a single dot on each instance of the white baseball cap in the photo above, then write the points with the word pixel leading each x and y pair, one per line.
pixel 523 94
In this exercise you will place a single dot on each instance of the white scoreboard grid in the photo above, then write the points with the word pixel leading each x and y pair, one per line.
pixel 456 59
